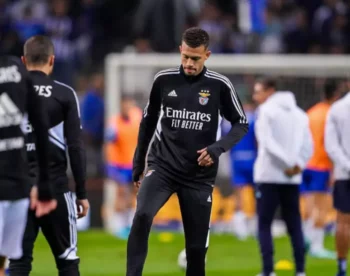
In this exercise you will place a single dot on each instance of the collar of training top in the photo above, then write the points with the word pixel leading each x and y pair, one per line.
pixel 193 78
pixel 37 72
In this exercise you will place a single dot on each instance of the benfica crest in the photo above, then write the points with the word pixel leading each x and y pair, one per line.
pixel 204 97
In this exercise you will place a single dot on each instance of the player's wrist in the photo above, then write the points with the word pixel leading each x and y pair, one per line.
pixel 214 152
pixel 81 195
pixel 45 195
pixel 137 173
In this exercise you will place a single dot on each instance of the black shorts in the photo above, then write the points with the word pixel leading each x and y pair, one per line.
pixel 341 196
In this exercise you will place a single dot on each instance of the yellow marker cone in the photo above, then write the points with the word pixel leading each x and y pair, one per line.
pixel 284 265
pixel 166 237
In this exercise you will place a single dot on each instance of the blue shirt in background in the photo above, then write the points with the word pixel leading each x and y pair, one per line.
pixel 92 116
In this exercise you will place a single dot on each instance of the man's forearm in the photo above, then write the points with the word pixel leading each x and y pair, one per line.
pixel 236 133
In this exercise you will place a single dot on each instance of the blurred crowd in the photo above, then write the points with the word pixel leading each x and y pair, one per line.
pixel 85 31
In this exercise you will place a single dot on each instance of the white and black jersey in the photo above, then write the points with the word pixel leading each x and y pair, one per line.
pixel 184 113
pixel 65 134
pixel 17 100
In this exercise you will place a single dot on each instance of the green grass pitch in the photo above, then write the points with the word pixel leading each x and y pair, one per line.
pixel 104 255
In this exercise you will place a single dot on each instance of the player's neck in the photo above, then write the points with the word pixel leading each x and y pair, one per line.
pixel 45 69
pixel 329 102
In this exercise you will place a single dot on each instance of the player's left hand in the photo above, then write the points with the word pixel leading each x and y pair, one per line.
pixel 83 206
pixel 204 159
pixel 41 208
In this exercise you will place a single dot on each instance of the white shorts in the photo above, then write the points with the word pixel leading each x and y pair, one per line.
pixel 13 220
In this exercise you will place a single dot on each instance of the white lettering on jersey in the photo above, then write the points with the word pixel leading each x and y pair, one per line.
pixel 11 144
pixel 10 74
pixel 43 90
pixel 187 119
pixel 31 147
pixel 10 115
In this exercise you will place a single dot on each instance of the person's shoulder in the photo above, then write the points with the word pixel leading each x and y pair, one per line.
pixel 163 74
pixel 64 88
pixel 217 77
pixel 66 93
pixel 341 103
pixel 265 108
pixel 302 114
pixel 9 61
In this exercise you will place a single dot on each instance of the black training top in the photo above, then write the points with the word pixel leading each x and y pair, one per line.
pixel 17 100
pixel 65 134
pixel 184 113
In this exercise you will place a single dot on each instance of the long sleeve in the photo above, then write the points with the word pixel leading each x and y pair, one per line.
pixel 263 128
pixel 76 150
pixel 147 127
pixel 332 143
pixel 39 120
pixel 232 110
pixel 306 149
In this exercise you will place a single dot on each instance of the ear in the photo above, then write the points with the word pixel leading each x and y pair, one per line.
pixel 207 54
pixel 180 49
pixel 51 60
pixel 24 61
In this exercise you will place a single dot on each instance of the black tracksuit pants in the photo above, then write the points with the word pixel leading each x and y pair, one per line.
pixel 195 205
pixel 60 231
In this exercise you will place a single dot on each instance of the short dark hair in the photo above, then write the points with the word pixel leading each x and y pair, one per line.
pixel 330 88
pixel 195 37
pixel 268 83
pixel 38 49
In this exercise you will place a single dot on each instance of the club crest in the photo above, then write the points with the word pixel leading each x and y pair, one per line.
pixel 204 97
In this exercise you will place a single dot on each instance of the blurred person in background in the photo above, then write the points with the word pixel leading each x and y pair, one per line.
pixel 59 26
pixel 120 144
pixel 317 176
pixel 92 116
pixel 337 143
pixel 284 147
pixel 27 25
pixel 242 162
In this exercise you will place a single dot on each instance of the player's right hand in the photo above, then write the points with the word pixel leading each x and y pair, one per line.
pixel 137 184
pixel 82 207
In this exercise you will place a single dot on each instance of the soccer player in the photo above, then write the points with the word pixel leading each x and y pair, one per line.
pixel 62 110
pixel 17 97
pixel 284 147
pixel 242 162
pixel 184 112
pixel 121 142
pixel 316 177
pixel 337 142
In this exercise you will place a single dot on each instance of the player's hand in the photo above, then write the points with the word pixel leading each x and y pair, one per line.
pixel 297 169
pixel 45 207
pixel 33 197
pixel 41 207
pixel 137 184
pixel 83 207
pixel 204 159
pixel 289 172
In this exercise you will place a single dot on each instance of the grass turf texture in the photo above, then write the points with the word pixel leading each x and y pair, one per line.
pixel 104 255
